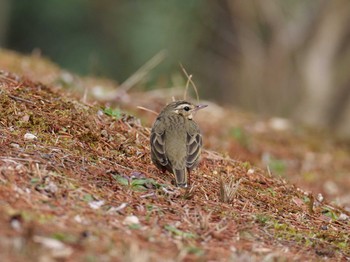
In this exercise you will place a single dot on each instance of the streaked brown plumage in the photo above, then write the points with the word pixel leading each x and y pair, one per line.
pixel 176 140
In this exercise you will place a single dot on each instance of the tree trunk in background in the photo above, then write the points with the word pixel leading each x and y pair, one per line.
pixel 267 44
pixel 289 59
pixel 318 67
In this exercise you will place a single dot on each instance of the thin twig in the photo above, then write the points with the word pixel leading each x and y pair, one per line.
pixel 20 99
pixel 143 71
pixel 7 78
pixel 124 167
pixel 189 78
pixel 84 98
pixel 146 109
pixel 19 159
pixel 216 156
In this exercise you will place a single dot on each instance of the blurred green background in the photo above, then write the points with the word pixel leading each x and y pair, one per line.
pixel 289 58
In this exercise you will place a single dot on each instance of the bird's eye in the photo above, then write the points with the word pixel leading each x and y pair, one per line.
pixel 187 108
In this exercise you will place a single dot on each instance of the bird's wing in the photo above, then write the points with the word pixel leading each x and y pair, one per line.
pixel 158 144
pixel 194 146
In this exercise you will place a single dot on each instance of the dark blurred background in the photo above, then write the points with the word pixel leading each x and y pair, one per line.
pixel 288 58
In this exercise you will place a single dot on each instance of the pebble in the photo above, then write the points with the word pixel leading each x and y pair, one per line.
pixel 131 220
pixel 29 136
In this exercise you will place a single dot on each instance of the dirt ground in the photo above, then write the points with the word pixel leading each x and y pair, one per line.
pixel 77 183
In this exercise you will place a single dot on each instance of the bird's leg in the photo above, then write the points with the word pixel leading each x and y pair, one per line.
pixel 188 177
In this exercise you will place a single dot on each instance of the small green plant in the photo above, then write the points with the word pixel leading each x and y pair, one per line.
pixel 178 232
pixel 149 211
pixel 116 113
pixel 134 226
pixel 88 198
pixel 195 250
pixel 271 191
pixel 35 180
pixel 121 180
pixel 64 237
pixel 246 165
pixel 263 219
pixel 329 213
pixel 139 184
pixel 144 183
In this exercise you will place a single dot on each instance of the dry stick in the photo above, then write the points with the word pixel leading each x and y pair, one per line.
pixel 143 71
pixel 8 79
pixel 84 98
pixel 20 99
pixel 216 156
pixel 187 84
pixel 146 109
pixel 189 78
pixel 19 159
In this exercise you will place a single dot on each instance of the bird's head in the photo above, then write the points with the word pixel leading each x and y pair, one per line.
pixel 184 108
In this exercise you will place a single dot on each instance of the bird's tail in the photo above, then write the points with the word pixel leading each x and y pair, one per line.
pixel 180 177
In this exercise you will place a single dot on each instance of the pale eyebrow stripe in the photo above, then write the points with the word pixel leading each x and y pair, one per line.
pixel 182 103
pixel 182 106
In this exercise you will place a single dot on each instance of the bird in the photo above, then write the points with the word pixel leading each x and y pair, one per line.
pixel 176 140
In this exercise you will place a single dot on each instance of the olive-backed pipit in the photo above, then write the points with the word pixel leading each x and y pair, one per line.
pixel 176 140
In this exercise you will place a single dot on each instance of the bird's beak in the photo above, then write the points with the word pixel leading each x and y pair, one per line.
pixel 198 107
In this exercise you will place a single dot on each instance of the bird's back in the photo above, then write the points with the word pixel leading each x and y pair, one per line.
pixel 175 141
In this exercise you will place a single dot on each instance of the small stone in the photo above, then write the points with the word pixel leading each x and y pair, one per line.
pixel 16 222
pixel 320 197
pixel 343 217
pixel 78 219
pixel 131 220
pixel 49 242
pixel 250 171
pixel 51 188
pixel 96 204
pixel 324 227
pixel 56 248
pixel 104 133
pixel 136 175
pixel 25 118
pixel 117 209
pixel 100 113
pixel 14 145
pixel 29 136
pixel 262 250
